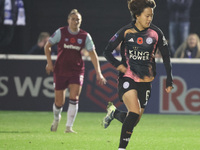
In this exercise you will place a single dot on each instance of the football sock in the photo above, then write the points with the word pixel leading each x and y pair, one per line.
pixel 72 112
pixel 127 128
pixel 57 111
pixel 120 115
pixel 121 149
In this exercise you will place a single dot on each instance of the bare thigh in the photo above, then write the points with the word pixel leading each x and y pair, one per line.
pixel 131 101
pixel 74 91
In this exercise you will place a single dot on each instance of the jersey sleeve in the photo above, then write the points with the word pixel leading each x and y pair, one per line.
pixel 55 37
pixel 164 50
pixel 89 44
pixel 112 44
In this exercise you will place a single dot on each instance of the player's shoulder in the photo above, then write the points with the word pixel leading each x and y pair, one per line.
pixel 127 26
pixel 156 28
pixel 83 32
pixel 63 28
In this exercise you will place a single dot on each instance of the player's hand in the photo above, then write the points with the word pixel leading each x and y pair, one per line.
pixel 49 69
pixel 168 89
pixel 100 79
pixel 121 68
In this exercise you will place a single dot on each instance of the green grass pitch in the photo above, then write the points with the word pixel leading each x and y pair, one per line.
pixel 25 130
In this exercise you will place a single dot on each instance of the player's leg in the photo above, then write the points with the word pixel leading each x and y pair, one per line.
pixel 144 94
pixel 60 84
pixel 57 108
pixel 130 99
pixel 75 90
pixel 141 113
pixel 113 112
pixel 120 115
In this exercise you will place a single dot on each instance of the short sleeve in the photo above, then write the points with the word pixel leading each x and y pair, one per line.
pixel 55 38
pixel 89 44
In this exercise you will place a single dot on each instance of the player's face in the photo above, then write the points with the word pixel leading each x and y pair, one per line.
pixel 74 22
pixel 144 20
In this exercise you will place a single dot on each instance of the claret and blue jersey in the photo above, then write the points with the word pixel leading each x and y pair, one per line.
pixel 70 44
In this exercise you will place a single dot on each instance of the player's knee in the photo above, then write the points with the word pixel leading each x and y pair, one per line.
pixel 134 110
pixel 74 97
pixel 59 104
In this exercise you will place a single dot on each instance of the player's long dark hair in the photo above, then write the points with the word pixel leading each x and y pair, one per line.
pixel 136 7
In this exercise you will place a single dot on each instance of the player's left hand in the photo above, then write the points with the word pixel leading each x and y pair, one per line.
pixel 100 79
pixel 168 89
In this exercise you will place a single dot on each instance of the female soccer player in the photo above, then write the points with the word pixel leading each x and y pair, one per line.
pixel 69 67
pixel 139 41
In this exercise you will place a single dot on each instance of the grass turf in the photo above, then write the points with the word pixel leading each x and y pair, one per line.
pixel 25 130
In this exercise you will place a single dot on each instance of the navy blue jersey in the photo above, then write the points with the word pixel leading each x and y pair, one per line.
pixel 137 50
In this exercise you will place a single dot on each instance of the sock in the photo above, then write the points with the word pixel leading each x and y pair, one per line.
pixel 121 149
pixel 72 112
pixel 127 129
pixel 57 111
pixel 120 115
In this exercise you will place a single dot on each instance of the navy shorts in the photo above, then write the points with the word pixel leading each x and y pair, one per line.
pixel 143 89
pixel 61 82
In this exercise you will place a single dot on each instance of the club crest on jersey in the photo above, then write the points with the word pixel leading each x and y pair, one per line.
pixel 149 40
pixel 79 41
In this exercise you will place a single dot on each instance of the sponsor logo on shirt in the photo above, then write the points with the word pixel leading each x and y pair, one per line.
pixel 66 39
pixel 72 47
pixel 137 55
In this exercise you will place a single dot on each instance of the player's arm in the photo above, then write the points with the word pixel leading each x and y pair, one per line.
pixel 113 43
pixel 47 50
pixel 164 50
pixel 89 46
pixel 95 62
pixel 55 38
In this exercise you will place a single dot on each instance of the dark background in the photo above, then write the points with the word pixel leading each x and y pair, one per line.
pixel 101 18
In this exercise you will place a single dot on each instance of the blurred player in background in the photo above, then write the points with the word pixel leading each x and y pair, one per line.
pixel 38 49
pixel 69 67
pixel 139 42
